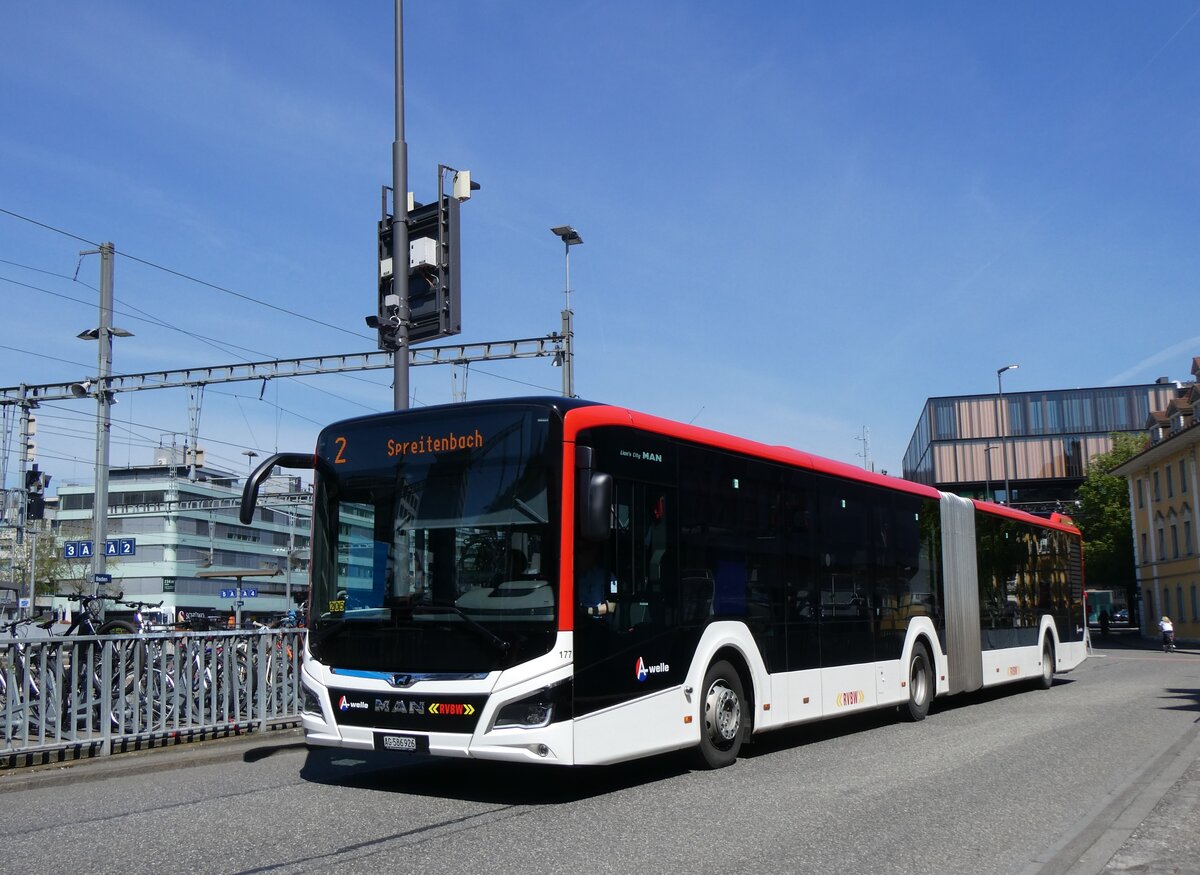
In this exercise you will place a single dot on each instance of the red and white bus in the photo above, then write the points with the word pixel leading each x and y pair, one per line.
pixel 555 581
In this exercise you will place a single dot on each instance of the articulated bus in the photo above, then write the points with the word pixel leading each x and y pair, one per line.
pixel 548 580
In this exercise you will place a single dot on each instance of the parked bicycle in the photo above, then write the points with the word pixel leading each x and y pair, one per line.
pixel 134 669
pixel 30 704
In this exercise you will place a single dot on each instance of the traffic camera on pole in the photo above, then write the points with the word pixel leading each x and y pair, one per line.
pixel 35 493
pixel 432 282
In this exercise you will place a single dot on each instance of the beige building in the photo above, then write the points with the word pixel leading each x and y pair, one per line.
pixel 1163 490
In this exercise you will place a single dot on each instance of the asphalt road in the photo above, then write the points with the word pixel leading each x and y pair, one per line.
pixel 992 783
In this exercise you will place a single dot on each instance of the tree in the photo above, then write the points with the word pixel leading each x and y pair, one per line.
pixel 1103 517
pixel 49 566
pixel 53 573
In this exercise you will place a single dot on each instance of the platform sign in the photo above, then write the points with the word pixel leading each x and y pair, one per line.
pixel 120 547
pixel 77 549
pixel 112 547
pixel 248 592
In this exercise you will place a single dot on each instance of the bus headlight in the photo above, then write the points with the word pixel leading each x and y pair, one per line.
pixel 310 703
pixel 548 705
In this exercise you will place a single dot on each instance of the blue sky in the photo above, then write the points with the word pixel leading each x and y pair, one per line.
pixel 800 220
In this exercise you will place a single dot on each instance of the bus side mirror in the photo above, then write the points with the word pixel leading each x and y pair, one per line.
pixel 593 498
pixel 262 472
pixel 595 522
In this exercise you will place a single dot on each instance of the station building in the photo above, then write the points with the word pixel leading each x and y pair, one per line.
pixel 175 526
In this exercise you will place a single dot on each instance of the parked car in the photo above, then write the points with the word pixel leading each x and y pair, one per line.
pixel 1121 616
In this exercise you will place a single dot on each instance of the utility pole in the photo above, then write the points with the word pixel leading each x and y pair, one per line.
pixel 866 450
pixel 400 258
pixel 23 499
pixel 104 399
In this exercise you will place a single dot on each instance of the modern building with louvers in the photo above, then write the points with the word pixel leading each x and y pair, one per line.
pixel 1040 442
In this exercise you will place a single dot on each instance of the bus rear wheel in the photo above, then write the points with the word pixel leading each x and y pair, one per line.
pixel 1047 678
pixel 920 684
pixel 722 717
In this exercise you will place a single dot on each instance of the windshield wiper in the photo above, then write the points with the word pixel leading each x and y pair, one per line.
pixel 529 512
pixel 326 631
pixel 474 625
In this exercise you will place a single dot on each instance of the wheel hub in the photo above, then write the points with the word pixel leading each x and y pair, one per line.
pixel 722 712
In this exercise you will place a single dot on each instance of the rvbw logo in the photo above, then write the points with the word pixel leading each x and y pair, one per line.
pixel 643 671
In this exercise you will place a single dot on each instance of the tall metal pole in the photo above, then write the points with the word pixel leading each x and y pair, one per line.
pixel 400 256
pixel 103 414
pixel 23 498
pixel 1002 422
pixel 568 330
pixel 570 237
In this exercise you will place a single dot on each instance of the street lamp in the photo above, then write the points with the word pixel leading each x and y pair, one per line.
pixel 1001 422
pixel 987 454
pixel 570 237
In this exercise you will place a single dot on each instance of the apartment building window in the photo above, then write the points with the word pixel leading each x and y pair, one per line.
pixel 1145 550
pixel 1141 493
pixel 1170 482
pixel 1157 490
pixel 1195 604
pixel 1183 476
pixel 1174 541
pixel 1187 537
pixel 1162 541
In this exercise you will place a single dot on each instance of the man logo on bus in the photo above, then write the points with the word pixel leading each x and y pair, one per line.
pixel 643 671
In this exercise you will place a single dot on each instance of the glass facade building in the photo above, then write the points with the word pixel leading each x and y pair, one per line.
pixel 1042 441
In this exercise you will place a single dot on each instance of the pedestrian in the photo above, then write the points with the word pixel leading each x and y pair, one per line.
pixel 1104 620
pixel 1168 633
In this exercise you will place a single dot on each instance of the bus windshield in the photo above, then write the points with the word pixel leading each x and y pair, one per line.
pixel 433 547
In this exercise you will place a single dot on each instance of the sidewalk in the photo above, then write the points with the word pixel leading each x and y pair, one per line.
pixel 248 747
pixel 1153 826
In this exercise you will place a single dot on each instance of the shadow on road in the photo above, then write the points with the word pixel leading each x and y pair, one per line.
pixel 483 781
pixel 522 784
pixel 839 727
pixel 1183 699
pixel 258 754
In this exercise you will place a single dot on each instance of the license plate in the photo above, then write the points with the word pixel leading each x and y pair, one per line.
pixel 402 743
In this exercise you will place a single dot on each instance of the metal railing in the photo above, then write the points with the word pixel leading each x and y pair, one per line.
pixel 100 693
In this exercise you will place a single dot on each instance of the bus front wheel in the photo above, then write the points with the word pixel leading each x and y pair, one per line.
pixel 722 716
pixel 920 684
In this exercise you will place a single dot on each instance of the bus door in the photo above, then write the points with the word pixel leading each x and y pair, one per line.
pixel 623 641
pixel 845 583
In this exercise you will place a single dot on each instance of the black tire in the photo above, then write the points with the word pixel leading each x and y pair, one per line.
pixel 117 627
pixel 921 687
pixel 1047 679
pixel 723 716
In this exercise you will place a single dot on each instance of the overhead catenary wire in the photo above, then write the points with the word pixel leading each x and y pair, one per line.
pixel 185 276
pixel 217 344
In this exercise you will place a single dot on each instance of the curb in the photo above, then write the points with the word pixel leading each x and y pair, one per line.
pixel 1088 848
pixel 249 747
